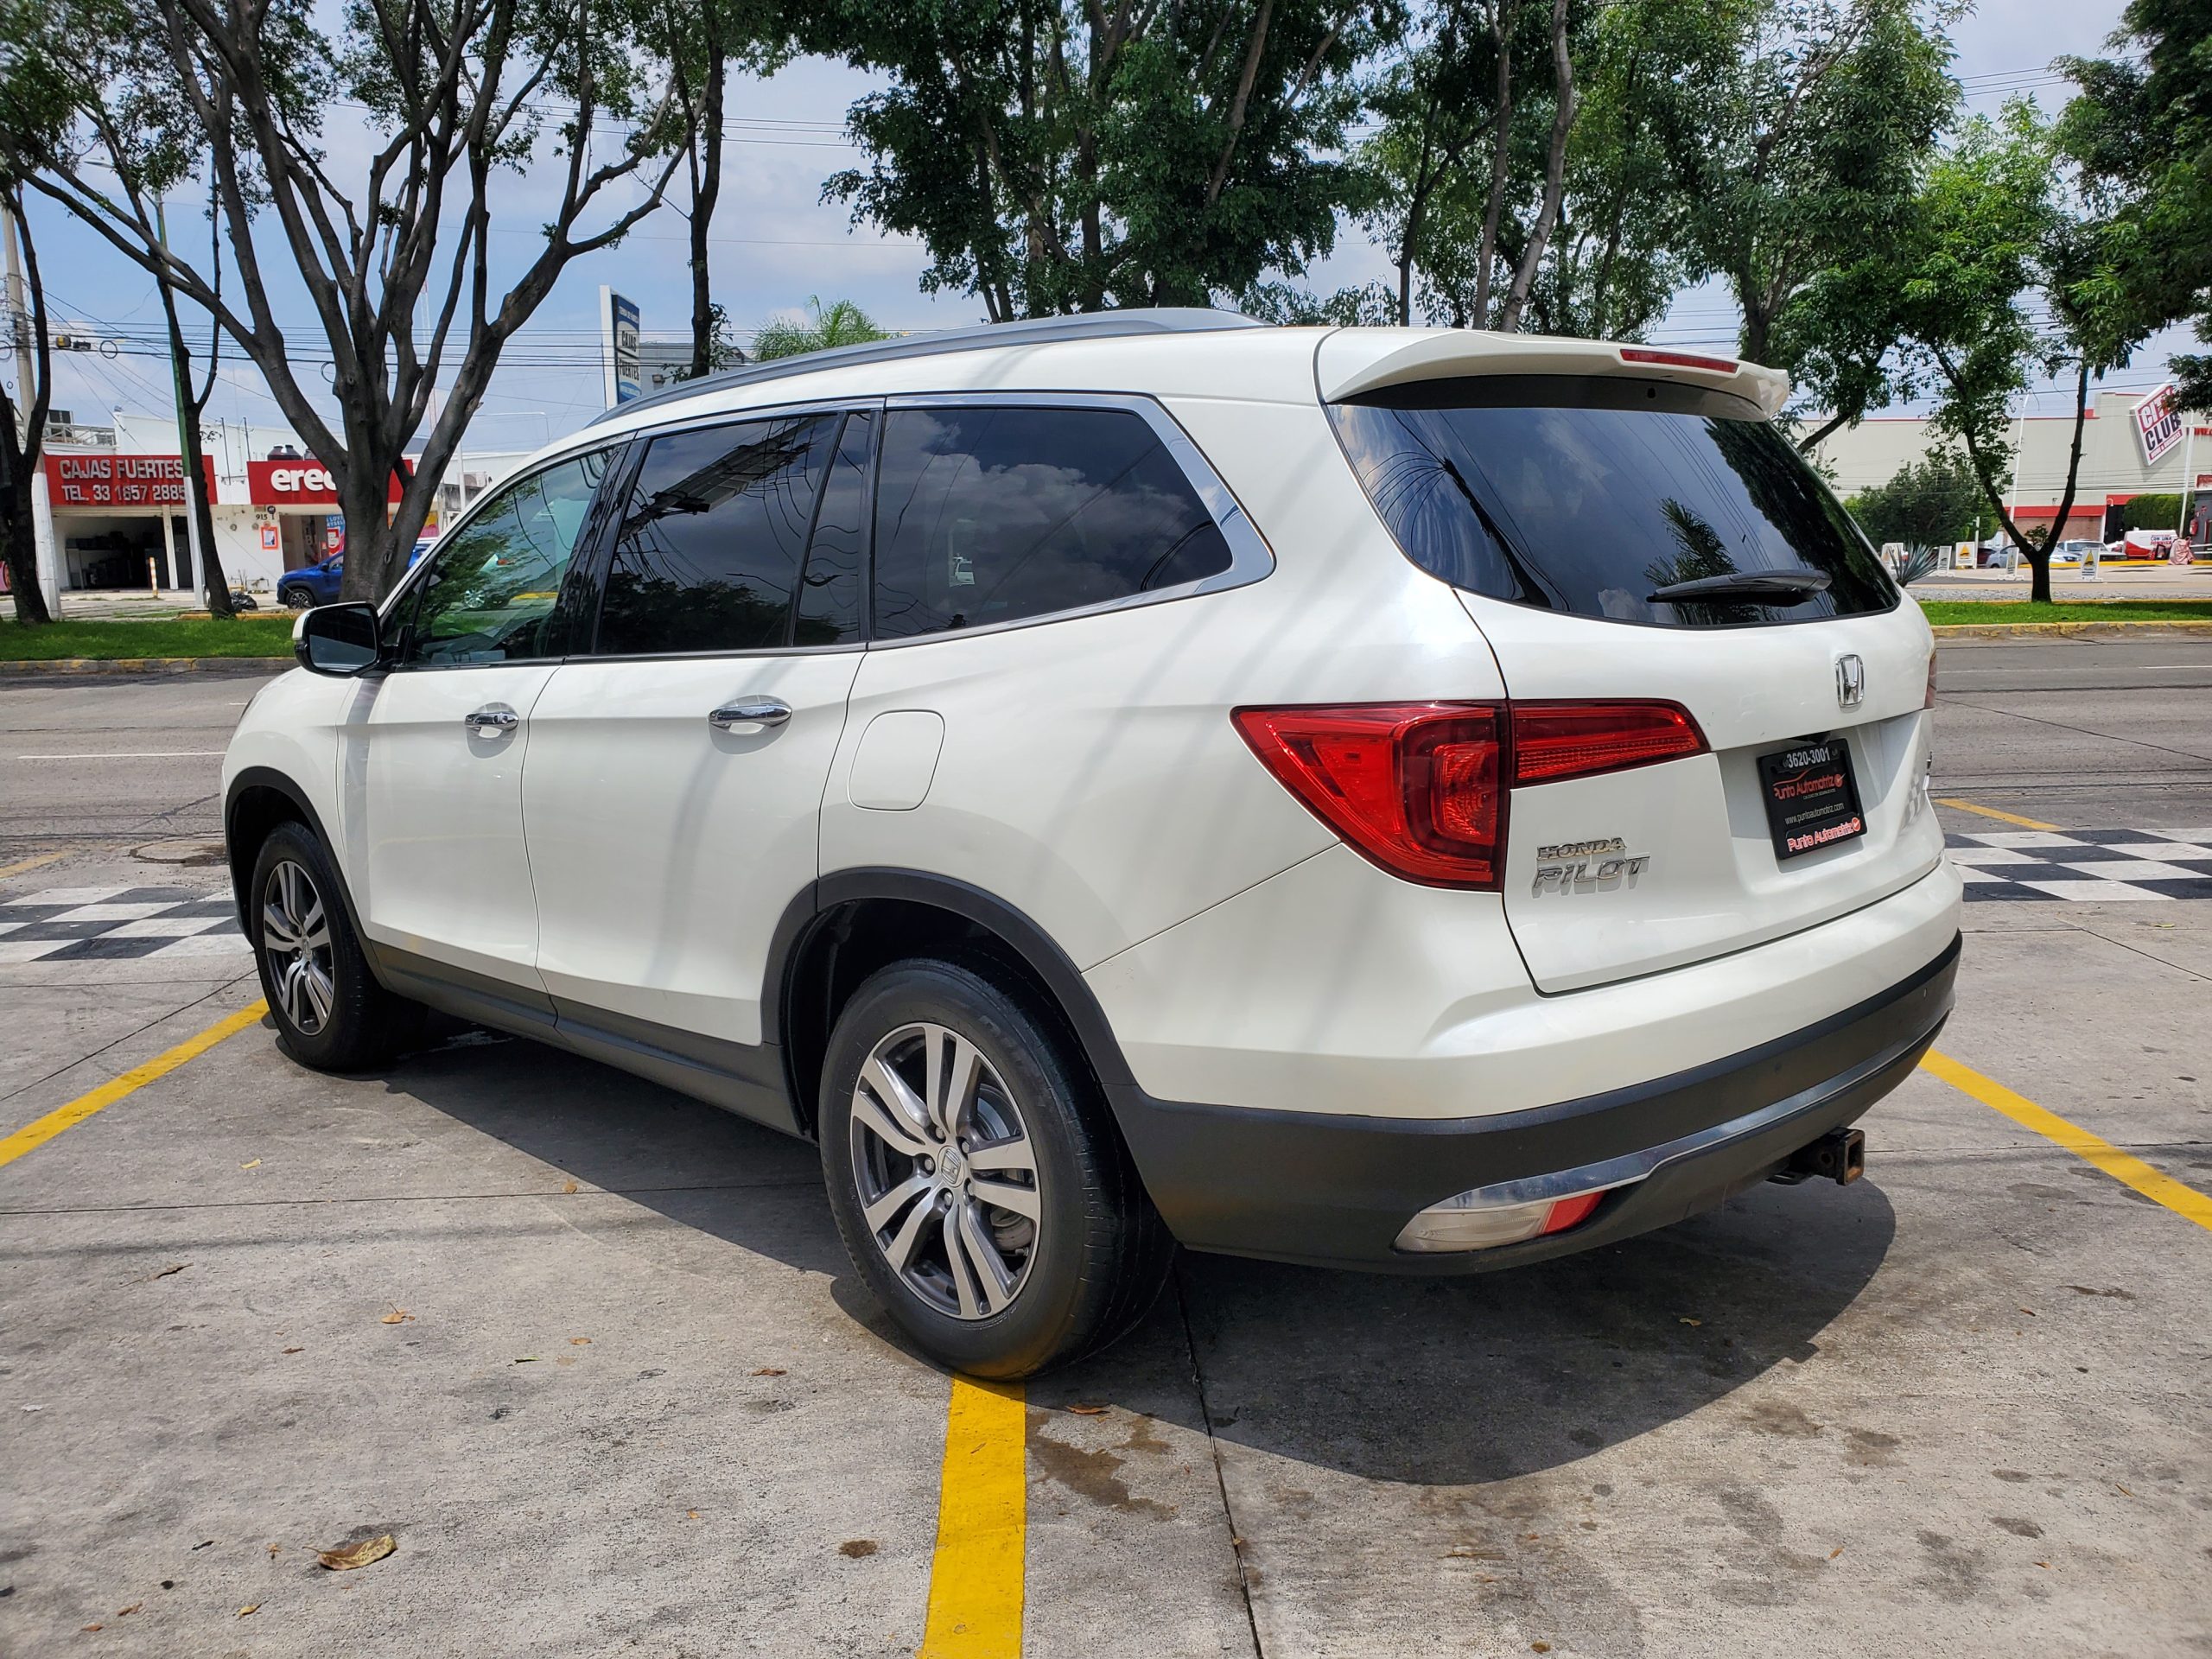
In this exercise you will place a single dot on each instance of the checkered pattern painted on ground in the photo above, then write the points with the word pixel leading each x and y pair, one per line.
pixel 2093 866
pixel 118 924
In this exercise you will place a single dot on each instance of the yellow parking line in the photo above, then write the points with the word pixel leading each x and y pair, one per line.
pixel 2122 1166
pixel 1992 812
pixel 976 1578
pixel 34 1136
pixel 22 864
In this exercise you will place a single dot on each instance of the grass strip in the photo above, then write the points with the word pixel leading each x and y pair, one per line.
pixel 247 636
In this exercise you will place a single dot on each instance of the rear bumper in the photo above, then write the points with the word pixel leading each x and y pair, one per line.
pixel 1335 1190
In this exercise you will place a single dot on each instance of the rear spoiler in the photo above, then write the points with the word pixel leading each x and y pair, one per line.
pixel 1352 361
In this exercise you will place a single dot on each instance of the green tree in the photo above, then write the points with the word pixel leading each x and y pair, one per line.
pixel 700 41
pixel 843 323
pixel 1980 231
pixel 1926 502
pixel 1059 157
pixel 1799 146
pixel 1616 256
pixel 451 96
pixel 2141 130
pixel 1470 165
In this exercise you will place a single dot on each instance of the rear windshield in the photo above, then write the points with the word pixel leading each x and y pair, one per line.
pixel 1589 495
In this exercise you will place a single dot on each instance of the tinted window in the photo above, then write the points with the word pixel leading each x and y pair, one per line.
pixel 488 595
pixel 991 515
pixel 707 557
pixel 1587 496
pixel 829 597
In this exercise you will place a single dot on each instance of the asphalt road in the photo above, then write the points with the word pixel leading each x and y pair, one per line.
pixel 2077 731
pixel 593 1354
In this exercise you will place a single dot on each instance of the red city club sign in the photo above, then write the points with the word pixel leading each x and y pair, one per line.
pixel 300 484
pixel 120 480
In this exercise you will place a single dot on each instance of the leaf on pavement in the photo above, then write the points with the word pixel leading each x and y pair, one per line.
pixel 1089 1411
pixel 769 1370
pixel 1686 1319
pixel 125 1612
pixel 347 1557
pixel 256 1164
pixel 579 1342
pixel 399 1316
pixel 250 1607
pixel 569 1185
pixel 296 1350
pixel 178 1268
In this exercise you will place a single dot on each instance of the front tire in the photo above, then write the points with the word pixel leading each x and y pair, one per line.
pixel 297 598
pixel 977 1178
pixel 331 1014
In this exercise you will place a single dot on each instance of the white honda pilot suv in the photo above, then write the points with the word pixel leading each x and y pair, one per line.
pixel 1422 800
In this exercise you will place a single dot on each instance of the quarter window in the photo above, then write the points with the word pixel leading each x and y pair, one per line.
pixel 990 515
pixel 489 593
pixel 709 551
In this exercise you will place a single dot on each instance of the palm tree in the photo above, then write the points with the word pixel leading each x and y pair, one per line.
pixel 842 324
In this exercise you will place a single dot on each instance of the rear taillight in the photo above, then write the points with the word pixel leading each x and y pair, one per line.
pixel 1418 787
pixel 1552 742
pixel 1421 788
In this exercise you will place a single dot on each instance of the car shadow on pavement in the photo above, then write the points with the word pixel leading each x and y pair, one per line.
pixel 1427 1381
pixel 1484 1378
pixel 694 1163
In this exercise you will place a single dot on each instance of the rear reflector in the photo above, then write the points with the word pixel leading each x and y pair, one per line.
pixel 1552 742
pixel 1421 788
pixel 1928 702
pixel 1677 359
pixel 1466 1223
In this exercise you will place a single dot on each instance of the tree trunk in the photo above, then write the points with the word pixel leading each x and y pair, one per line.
pixel 1814 439
pixel 1540 234
pixel 20 529
pixel 23 432
pixel 195 476
pixel 1500 160
pixel 2039 586
pixel 703 208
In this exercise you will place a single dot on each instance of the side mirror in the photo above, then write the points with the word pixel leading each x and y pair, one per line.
pixel 342 640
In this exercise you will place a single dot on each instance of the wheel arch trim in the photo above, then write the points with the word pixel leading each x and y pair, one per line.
pixel 812 907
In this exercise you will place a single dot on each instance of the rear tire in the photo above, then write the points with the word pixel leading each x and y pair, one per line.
pixel 1021 1239
pixel 330 1012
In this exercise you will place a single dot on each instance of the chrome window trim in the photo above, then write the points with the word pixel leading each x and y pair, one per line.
pixel 1250 558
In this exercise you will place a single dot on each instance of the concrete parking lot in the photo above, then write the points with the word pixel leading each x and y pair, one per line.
pixel 591 1353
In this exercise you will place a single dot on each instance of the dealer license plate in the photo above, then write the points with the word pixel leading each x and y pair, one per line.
pixel 1812 797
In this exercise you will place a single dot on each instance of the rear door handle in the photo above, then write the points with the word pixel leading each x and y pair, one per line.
pixel 493 720
pixel 750 711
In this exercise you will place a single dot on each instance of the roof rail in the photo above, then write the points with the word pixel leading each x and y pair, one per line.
pixel 1035 331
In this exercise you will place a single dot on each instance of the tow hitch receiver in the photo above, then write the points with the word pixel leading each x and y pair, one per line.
pixel 1839 1156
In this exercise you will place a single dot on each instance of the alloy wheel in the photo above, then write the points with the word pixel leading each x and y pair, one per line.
pixel 946 1170
pixel 295 938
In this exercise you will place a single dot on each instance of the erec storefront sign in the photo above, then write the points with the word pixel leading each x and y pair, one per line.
pixel 120 480
pixel 301 484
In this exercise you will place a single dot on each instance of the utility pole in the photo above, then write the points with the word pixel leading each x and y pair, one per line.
pixel 194 478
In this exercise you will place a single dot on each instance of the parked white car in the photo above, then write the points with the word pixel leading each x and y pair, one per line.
pixel 1393 798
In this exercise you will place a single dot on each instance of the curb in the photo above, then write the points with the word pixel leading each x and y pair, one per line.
pixel 143 665
pixel 2117 630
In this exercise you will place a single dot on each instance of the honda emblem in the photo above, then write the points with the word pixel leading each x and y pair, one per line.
pixel 1850 680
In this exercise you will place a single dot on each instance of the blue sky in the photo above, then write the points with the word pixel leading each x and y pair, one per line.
pixel 776 243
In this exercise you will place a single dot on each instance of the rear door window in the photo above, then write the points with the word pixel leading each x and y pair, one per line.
pixel 994 514
pixel 1589 495
pixel 707 555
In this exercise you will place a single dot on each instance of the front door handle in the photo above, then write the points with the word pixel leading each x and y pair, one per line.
pixel 750 711
pixel 493 720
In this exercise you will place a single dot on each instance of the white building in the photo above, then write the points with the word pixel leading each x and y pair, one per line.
pixel 111 513
pixel 2113 465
